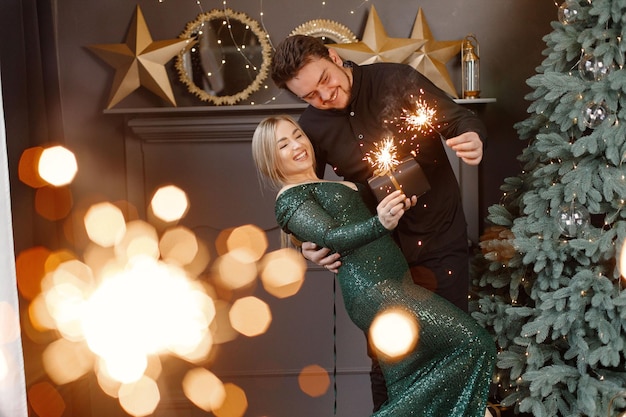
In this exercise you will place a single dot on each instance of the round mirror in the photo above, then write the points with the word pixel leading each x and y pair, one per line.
pixel 229 59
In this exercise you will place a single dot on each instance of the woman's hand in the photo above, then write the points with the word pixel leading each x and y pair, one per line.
pixel 392 207
pixel 321 256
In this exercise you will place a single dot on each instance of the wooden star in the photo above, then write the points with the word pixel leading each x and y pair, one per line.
pixel 431 58
pixel 376 46
pixel 140 62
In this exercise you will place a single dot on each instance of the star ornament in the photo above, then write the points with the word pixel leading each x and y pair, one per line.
pixel 376 46
pixel 140 61
pixel 431 58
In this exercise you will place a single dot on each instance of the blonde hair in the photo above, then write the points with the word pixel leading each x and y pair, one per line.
pixel 265 153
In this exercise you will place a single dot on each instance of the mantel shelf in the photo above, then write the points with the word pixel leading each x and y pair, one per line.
pixel 475 100
pixel 246 108
pixel 212 123
pixel 234 109
pixel 201 123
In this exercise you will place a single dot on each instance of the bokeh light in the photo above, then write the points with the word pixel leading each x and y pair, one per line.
pixel 30 268
pixel 140 292
pixel 66 361
pixel 73 272
pixel 232 272
pixel 101 260
pixel 127 367
pixel 57 165
pixel 158 310
pixel 140 398
pixel 178 246
pixel 39 316
pixel 66 303
pixel 109 386
pixel 154 368
pixel 394 332
pixel 141 239
pixel 105 224
pixel 198 352
pixel 169 203
pixel 201 261
pixel 27 169
pixel 204 389
pixel 221 327
pixel 53 203
pixel 314 380
pixel 57 257
pixel 250 316
pixel 248 241
pixel 235 404
pixel 45 400
pixel 282 272
pixel 65 290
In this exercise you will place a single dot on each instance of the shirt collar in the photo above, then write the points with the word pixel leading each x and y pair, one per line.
pixel 356 81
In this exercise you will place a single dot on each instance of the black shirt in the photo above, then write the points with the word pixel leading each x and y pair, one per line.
pixel 342 138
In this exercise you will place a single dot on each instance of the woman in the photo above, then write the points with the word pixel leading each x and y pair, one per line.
pixel 449 371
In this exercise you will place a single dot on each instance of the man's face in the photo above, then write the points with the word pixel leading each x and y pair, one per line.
pixel 324 84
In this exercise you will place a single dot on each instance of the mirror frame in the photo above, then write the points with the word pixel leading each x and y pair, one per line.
pixel 228 14
pixel 324 28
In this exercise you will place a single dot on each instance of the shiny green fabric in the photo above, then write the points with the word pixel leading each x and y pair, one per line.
pixel 449 372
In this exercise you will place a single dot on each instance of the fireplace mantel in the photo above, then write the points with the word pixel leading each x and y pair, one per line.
pixel 215 125
pixel 204 123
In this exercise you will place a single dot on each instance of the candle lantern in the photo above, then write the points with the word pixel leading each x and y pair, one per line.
pixel 470 67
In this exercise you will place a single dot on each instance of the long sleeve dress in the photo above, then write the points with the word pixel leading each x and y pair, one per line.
pixel 449 371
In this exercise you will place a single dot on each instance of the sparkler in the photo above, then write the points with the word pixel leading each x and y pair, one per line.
pixel 384 157
pixel 420 119
pixel 391 173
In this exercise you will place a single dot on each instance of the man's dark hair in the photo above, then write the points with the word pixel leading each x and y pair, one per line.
pixel 292 54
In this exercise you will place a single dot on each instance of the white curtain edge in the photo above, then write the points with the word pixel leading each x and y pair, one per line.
pixel 12 379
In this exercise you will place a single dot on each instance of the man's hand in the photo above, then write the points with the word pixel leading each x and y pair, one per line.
pixel 321 256
pixel 468 147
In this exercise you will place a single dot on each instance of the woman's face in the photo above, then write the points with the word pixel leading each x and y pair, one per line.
pixel 294 150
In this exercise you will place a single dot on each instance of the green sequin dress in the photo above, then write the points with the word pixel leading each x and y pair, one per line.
pixel 449 372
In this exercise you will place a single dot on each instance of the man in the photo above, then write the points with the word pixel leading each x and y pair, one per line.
pixel 351 109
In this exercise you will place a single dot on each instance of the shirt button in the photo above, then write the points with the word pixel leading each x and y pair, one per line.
pixel 351 113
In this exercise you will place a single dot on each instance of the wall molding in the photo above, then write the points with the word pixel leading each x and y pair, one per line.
pixel 213 124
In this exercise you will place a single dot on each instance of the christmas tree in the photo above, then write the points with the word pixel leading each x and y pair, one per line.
pixel 548 277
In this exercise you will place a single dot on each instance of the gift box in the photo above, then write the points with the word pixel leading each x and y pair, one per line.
pixel 407 176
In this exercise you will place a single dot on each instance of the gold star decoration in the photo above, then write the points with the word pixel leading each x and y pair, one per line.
pixel 431 58
pixel 140 61
pixel 376 46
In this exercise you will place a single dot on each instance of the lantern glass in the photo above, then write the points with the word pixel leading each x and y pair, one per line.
pixel 470 67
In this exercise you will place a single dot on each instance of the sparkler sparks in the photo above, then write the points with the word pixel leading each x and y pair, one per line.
pixel 384 157
pixel 421 119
